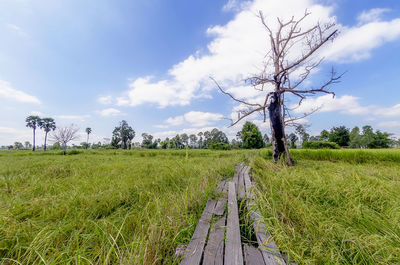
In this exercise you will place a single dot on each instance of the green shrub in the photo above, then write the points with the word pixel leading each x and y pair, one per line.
pixel 220 146
pixel 320 145
pixel 265 153
pixel 74 152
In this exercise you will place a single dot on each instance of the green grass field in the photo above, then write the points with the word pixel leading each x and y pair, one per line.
pixel 108 207
pixel 333 206
pixel 135 207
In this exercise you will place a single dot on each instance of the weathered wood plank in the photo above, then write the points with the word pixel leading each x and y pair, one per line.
pixel 252 256
pixel 220 186
pixel 221 202
pixel 214 251
pixel 194 250
pixel 238 170
pixel 248 185
pixel 241 188
pixel 268 248
pixel 233 245
pixel 236 179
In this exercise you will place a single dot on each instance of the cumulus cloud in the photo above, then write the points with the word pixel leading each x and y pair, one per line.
pixel 163 93
pixel 235 5
pixel 346 104
pixel 188 131
pixel 357 43
pixel 175 121
pixel 106 100
pixel 110 112
pixel 195 118
pixel 371 15
pixel 36 113
pixel 73 117
pixel 389 124
pixel 393 111
pixel 10 135
pixel 237 50
pixel 8 92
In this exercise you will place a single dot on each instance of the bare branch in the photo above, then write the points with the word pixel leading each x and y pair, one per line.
pixel 232 97
pixel 64 135
pixel 292 120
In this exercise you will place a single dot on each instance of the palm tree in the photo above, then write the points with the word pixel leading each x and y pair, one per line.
pixel 47 124
pixel 88 131
pixel 33 122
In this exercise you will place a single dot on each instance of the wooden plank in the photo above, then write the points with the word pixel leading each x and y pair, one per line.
pixel 214 251
pixel 241 188
pixel 219 209
pixel 248 185
pixel 239 169
pixel 268 248
pixel 233 245
pixel 220 186
pixel 252 256
pixel 236 179
pixel 194 250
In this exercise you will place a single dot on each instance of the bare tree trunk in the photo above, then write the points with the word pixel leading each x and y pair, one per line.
pixel 277 131
pixel 87 141
pixel 45 140
pixel 64 149
pixel 288 156
pixel 34 145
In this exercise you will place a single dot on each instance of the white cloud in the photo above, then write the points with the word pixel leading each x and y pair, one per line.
pixel 37 113
pixel 106 100
pixel 356 43
pixel 345 104
pixel 73 117
pixel 188 131
pixel 10 135
pixel 390 124
pixel 393 111
pixel 163 93
pixel 110 112
pixel 195 118
pixel 371 15
pixel 161 126
pixel 391 127
pixel 239 47
pixel 175 121
pixel 18 30
pixel 8 92
pixel 235 5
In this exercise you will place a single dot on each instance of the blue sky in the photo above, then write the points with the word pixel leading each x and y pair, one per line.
pixel 94 63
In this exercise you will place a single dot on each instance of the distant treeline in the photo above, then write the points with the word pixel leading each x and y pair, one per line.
pixel 249 137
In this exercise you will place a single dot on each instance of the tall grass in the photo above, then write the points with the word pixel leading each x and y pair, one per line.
pixel 104 207
pixel 323 212
pixel 354 156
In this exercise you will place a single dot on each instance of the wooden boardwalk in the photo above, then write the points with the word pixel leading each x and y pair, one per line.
pixel 217 240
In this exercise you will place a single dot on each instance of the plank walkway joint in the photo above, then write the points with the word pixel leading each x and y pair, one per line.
pixel 217 240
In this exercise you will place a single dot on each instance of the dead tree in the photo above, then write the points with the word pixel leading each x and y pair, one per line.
pixel 64 135
pixel 289 62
